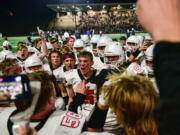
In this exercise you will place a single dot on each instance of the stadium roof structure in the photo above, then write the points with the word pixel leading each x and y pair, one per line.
pixel 85 5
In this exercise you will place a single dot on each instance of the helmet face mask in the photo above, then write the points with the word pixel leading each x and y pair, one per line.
pixel 85 39
pixel 116 61
pixel 78 49
pixel 100 50
pixel 149 59
pixel 132 43
pixel 132 47
pixel 102 43
pixel 78 45
pixel 114 55
pixel 35 68
pixel 33 63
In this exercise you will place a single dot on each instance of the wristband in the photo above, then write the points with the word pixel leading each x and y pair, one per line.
pixel 66 98
pixel 77 101
pixel 136 53
pixel 98 118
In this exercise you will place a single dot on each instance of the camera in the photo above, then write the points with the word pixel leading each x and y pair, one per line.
pixel 14 87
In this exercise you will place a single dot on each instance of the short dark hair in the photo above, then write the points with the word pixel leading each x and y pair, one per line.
pixel 86 53
pixel 122 38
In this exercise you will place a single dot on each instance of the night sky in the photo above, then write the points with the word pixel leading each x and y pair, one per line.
pixel 19 17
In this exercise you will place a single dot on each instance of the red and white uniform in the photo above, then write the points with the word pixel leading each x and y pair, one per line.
pixel 74 77
pixel 58 123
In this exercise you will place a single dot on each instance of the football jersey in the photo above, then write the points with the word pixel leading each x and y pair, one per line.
pixel 96 133
pixel 59 72
pixel 5 112
pixel 57 123
pixel 21 63
pixel 93 83
pixel 98 64
pixel 134 69
pixel 46 67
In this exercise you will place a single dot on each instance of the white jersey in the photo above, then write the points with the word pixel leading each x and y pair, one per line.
pixel 96 133
pixel 5 112
pixel 6 54
pixel 59 73
pixel 44 60
pixel 73 78
pixel 21 63
pixel 46 67
pixel 98 64
pixel 136 69
pixel 58 123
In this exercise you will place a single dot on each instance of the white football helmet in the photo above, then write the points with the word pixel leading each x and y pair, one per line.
pixel 135 40
pixel 103 42
pixel 85 39
pixel 113 49
pixel 95 39
pixel 7 45
pixel 78 44
pixel 33 61
pixel 148 37
pixel 140 40
pixel 149 57
pixel 31 49
pixel 6 54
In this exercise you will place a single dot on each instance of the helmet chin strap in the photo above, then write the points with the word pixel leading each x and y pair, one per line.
pixel 22 118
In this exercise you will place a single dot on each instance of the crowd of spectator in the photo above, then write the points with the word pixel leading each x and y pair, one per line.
pixel 110 22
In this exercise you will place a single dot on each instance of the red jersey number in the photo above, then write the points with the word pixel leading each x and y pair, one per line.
pixel 90 97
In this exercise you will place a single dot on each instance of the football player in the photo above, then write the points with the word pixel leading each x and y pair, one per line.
pixel 93 79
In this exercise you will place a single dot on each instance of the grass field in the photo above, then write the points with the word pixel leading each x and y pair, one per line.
pixel 15 40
